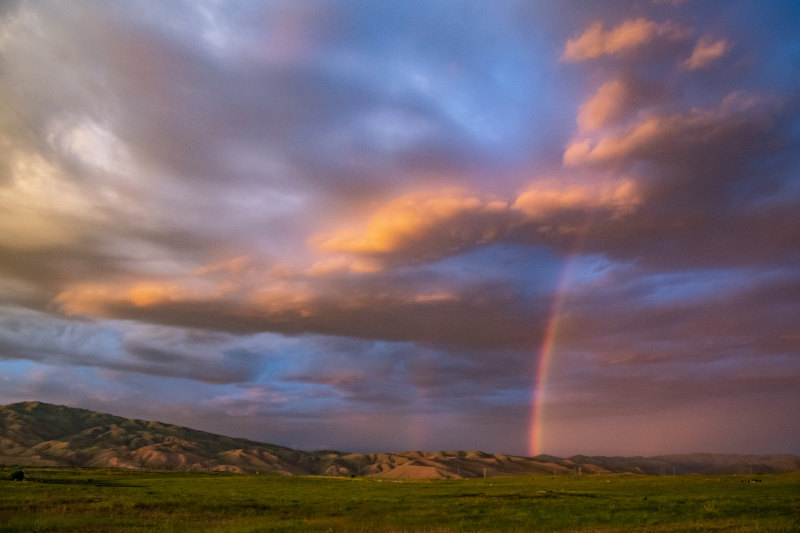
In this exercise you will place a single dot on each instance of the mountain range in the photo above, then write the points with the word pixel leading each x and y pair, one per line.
pixel 41 434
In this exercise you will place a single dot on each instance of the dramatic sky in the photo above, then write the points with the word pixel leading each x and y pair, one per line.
pixel 517 226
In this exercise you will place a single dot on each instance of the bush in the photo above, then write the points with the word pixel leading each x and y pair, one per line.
pixel 17 475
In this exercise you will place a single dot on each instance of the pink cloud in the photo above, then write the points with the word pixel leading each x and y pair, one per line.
pixel 541 203
pixel 596 41
pixel 674 136
pixel 706 52
pixel 428 226
pixel 423 224
pixel 604 106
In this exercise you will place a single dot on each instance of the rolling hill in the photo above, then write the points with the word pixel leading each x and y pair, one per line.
pixel 36 433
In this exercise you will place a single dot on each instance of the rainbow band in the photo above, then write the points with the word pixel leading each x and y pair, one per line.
pixel 545 357
pixel 547 350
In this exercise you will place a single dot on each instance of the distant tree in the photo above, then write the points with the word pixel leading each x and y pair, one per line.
pixel 17 475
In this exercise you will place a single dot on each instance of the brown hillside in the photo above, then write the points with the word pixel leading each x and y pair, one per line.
pixel 35 433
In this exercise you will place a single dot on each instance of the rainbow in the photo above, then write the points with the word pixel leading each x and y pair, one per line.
pixel 547 350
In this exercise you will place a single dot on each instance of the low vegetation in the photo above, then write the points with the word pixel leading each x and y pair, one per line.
pixel 41 434
pixel 68 499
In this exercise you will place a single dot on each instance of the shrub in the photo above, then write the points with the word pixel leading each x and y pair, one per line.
pixel 17 475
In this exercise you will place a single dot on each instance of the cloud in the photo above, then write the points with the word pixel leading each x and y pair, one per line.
pixel 425 227
pixel 541 204
pixel 617 100
pixel 676 137
pixel 385 308
pixel 706 52
pixel 353 213
pixel 693 169
pixel 632 34
pixel 603 107
pixel 722 347
pixel 141 349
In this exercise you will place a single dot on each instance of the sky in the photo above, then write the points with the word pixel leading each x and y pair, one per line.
pixel 516 226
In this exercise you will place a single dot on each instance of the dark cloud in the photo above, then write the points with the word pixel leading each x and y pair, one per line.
pixel 486 316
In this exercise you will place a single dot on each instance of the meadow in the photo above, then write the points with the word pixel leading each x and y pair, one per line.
pixel 62 499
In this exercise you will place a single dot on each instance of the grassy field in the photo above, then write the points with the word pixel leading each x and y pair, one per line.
pixel 112 500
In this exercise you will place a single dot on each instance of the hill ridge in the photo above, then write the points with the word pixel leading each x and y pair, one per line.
pixel 39 433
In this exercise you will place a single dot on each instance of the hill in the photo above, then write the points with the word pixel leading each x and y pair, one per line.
pixel 36 433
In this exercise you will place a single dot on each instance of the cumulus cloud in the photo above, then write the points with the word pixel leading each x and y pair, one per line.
pixel 596 41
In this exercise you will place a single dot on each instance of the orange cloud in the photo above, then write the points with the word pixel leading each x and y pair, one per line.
pixel 541 203
pixel 603 107
pixel 454 216
pixel 668 136
pixel 706 52
pixel 279 298
pixel 83 300
pixel 631 34
pixel 93 299
pixel 617 146
pixel 429 226
pixel 147 295
pixel 375 308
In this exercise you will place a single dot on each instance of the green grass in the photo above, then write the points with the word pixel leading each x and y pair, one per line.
pixel 55 499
